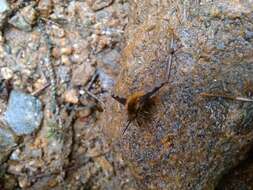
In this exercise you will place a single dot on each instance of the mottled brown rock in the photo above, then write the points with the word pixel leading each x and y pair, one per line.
pixel 82 73
pixel 186 141
pixel 99 4
pixel 45 7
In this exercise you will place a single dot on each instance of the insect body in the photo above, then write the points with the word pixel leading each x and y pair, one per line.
pixel 136 102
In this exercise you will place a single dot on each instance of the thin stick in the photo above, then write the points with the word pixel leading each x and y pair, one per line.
pixel 38 91
pixel 94 96
pixel 238 98
pixel 170 58
pixel 93 79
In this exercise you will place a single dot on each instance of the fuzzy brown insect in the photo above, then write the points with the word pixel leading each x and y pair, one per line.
pixel 136 101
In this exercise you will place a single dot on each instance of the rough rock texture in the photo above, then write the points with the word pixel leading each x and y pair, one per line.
pixel 4 11
pixel 241 177
pixel 86 46
pixel 99 4
pixel 23 113
pixel 7 142
pixel 187 141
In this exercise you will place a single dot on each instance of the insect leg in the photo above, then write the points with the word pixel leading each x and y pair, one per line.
pixel 127 125
pixel 238 98
pixel 130 121
pixel 170 58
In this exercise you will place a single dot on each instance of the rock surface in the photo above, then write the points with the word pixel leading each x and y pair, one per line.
pixel 24 19
pixel 77 156
pixel 187 141
pixel 24 113
pixel 4 12
pixel 4 6
pixel 240 177
pixel 7 142
pixel 99 4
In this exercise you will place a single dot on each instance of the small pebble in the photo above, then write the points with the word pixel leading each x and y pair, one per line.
pixel 82 73
pixel 4 6
pixel 24 19
pixel 105 164
pixel 66 50
pixel 7 142
pixel 65 60
pixel 110 58
pixel 15 169
pixel 57 31
pixel 71 96
pixel 15 155
pixel 63 73
pixel 45 8
pixel 6 73
pixel 75 58
pixel 84 113
pixel 56 53
pixel 39 84
pixel 23 182
pixel 24 113
pixel 19 22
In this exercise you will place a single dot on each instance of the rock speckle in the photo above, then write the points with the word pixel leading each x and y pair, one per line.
pixel 183 140
pixel 24 113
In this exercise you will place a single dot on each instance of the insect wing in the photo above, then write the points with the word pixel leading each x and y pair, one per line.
pixel 120 99
pixel 153 91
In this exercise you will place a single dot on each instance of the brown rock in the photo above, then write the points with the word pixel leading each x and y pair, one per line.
pixel 105 165
pixel 66 50
pixel 65 60
pixel 182 140
pixel 82 73
pixel 71 96
pixel 39 84
pixel 24 182
pixel 84 113
pixel 29 14
pixel 6 73
pixel 45 7
pixel 56 52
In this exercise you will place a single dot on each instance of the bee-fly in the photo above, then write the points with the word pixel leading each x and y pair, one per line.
pixel 136 102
